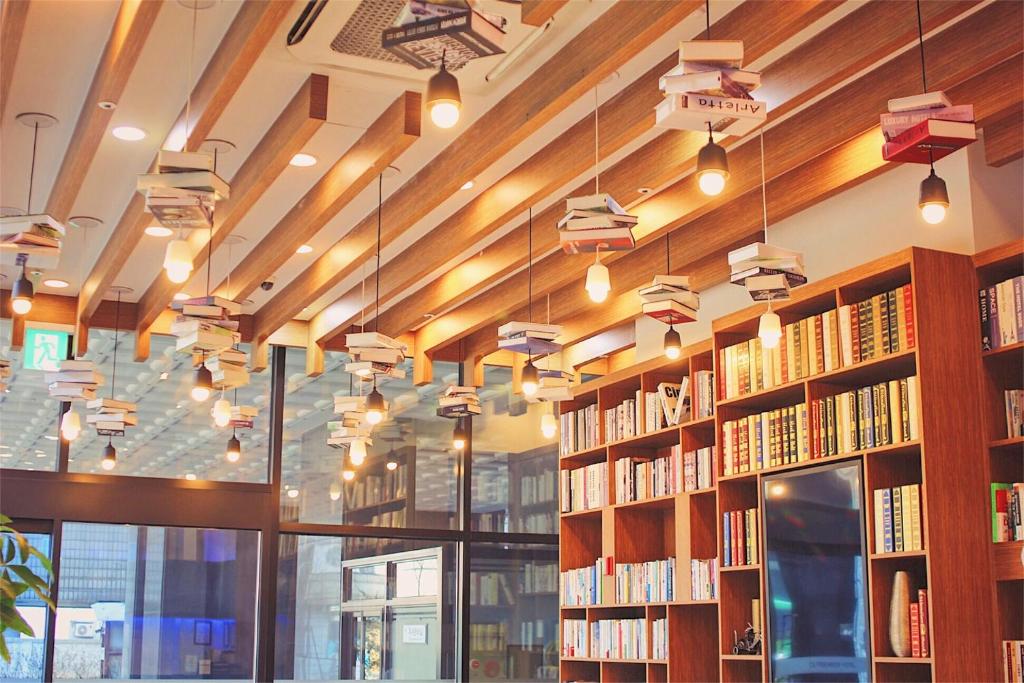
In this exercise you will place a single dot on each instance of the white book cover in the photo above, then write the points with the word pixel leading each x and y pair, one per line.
pixel 926 100
pixel 759 251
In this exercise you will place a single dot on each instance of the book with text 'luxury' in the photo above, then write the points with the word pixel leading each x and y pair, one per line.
pixel 894 124
pixel 929 141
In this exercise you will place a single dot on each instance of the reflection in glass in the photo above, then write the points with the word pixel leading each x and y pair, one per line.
pixel 156 602
pixel 421 489
pixel 27 652
pixel 28 416
pixel 356 609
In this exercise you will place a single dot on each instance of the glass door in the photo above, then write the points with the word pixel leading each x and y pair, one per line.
pixel 363 635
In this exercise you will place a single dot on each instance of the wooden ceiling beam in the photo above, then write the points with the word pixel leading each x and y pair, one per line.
pixel 980 41
pixel 537 12
pixel 289 133
pixel 1004 139
pixel 384 141
pixel 127 38
pixel 624 117
pixel 577 68
pixel 252 28
pixel 12 27
pixel 799 74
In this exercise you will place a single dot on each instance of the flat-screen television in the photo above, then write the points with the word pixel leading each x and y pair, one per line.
pixel 816 574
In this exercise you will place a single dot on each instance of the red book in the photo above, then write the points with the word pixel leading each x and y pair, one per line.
pixel 587 241
pixel 741 535
pixel 915 630
pixel 721 374
pixel 908 311
pixel 922 601
pixel 929 141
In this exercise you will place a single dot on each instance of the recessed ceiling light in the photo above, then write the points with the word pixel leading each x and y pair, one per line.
pixel 130 133
pixel 468 185
pixel 303 160
pixel 181 296
pixel 56 283
pixel 304 249
pixel 190 476
pixel 159 231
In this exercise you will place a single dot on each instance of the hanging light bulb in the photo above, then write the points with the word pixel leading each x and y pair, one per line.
pixel 769 328
pixel 234 449
pixel 934 199
pixel 531 378
pixel 221 411
pixel 22 294
pixel 109 457
pixel 348 475
pixel 375 406
pixel 673 345
pixel 443 99
pixel 178 261
pixel 712 167
pixel 70 425
pixel 357 452
pixel 599 282
pixel 203 384
pixel 459 436
pixel 392 465
pixel 335 491
pixel 548 425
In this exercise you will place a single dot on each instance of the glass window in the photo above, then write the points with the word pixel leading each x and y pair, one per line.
pixel 27 652
pixel 28 416
pixel 156 602
pixel 513 629
pixel 514 465
pixel 175 436
pixel 355 609
pixel 421 489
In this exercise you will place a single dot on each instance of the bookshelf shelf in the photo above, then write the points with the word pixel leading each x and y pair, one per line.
pixel 1009 351
pixel 954 567
pixel 579 456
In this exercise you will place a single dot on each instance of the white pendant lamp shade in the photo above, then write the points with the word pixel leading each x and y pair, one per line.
pixel 599 282
pixel 357 452
pixel 70 425
pixel 548 425
pixel 769 329
pixel 347 475
pixel 221 412
pixel 178 261
pixel 335 491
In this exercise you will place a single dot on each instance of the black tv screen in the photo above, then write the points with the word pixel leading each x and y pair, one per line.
pixel 816 574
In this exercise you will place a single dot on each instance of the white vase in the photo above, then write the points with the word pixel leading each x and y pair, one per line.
pixel 899 615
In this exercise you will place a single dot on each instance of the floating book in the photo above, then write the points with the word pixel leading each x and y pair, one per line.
pixel 894 124
pixel 203 181
pixel 377 355
pixel 921 129
pixel 459 36
pixel 595 222
pixel 768 287
pixel 529 338
pixel 367 369
pixel 722 53
pixel 457 401
pixel 170 161
pixel 668 298
pixel 760 260
pixel 243 417
pixel 691 111
pixel 76 380
pixel 38 236
pixel 203 325
pixel 175 208
pixel 111 416
pixel 5 373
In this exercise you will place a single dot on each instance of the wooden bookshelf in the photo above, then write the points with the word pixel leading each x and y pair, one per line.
pixel 956 562
pixel 1002 368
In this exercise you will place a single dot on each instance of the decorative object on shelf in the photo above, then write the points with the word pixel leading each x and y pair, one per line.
pixel 921 129
pixel 424 32
pixel 899 614
pixel 749 644
pixel 444 102
pixel 708 90
pixel 669 299
pixel 35 237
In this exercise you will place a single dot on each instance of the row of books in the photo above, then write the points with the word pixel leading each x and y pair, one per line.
pixel 578 430
pixel 1013 661
pixel 638 478
pixel 768 439
pixel 881 325
pixel 704 394
pixel 897 513
pixel 584 488
pixel 704 579
pixel 659 638
pixel 538 523
pixel 574 638
pixel 496 520
pixel 651 581
pixel 1014 399
pixel 919 625
pixel 540 578
pixel 618 639
pixel 490 588
pixel 394 519
pixel 1002 313
pixel 537 488
pixel 488 637
pixel 1007 515
pixel 376 488
pixel 739 537
pixel 584 586
pixel 623 421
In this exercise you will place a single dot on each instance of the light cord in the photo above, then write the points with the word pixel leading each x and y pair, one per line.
pixel 380 201
pixel 32 168
pixel 707 19
pixel 188 85
pixel 529 266
pixel 117 325
pixel 764 191
pixel 597 158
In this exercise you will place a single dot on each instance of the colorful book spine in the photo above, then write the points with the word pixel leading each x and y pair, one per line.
pixel 739 538
pixel 897 519
pixel 1001 313
pixel 643 582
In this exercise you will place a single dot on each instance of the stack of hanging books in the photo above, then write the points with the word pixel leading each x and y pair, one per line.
pixel 243 417
pixel 373 354
pixel 227 367
pixel 76 380
pixel 183 192
pixel 595 222
pixel 709 87
pixel 425 31
pixel 38 236
pixel 552 385
pixel 529 338
pixel 768 272
pixel 5 374
pixel 352 426
pixel 458 401
pixel 669 299
pixel 923 128
pixel 203 324
pixel 111 416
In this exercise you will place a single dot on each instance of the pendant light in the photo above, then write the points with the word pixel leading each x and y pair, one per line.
pixel 375 406
pixel 769 325
pixel 22 293
pixel 221 411
pixel 712 164
pixel 531 378
pixel 334 491
pixel 234 449
pixel 357 452
pixel 392 465
pixel 348 475
pixel 672 346
pixel 443 99
pixel 599 282
pixel 548 424
pixel 70 425
pixel 109 456
pixel 459 437
pixel 933 200
pixel 109 460
pixel 202 384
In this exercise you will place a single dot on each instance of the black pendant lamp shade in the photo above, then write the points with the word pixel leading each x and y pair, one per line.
pixel 22 294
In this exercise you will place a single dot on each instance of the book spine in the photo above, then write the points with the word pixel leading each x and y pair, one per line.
pixel 887 536
pixel 908 295
pixel 923 626
pixel 915 630
pixel 897 520
pixel 1018 306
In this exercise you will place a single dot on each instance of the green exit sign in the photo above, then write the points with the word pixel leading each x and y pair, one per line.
pixel 44 349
